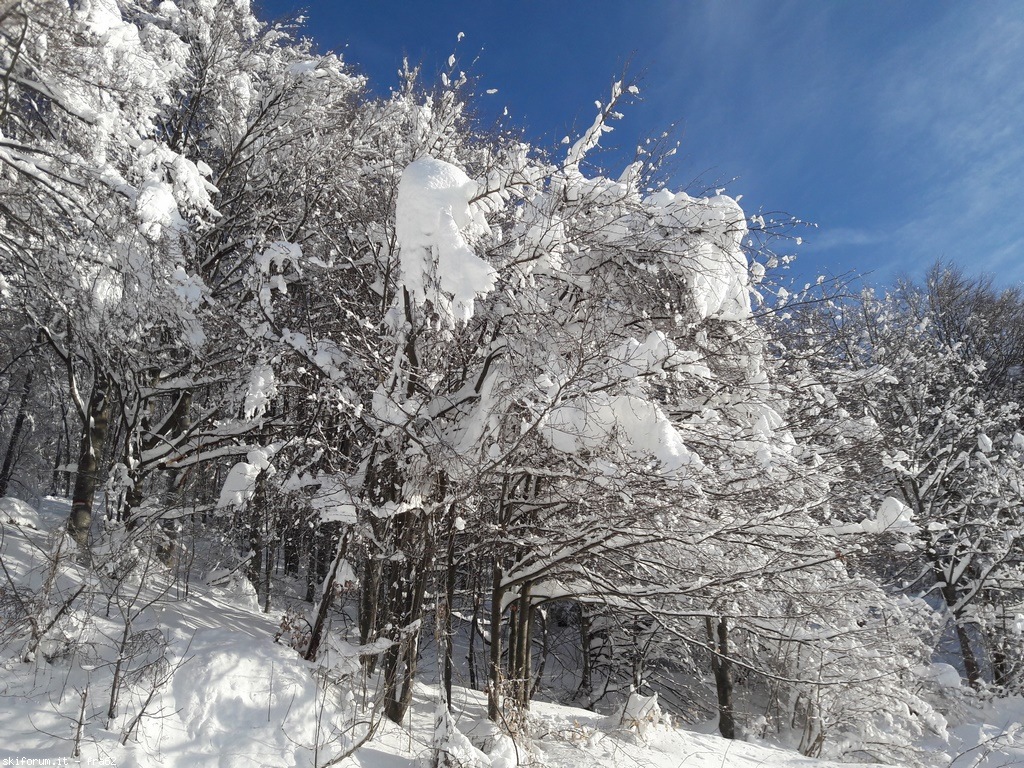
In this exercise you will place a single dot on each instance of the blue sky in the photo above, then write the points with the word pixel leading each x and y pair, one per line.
pixel 897 127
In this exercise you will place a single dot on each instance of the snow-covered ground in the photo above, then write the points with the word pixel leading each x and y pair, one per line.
pixel 202 683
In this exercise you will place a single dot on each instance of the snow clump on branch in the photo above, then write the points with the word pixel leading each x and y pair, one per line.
pixel 434 217
pixel 719 277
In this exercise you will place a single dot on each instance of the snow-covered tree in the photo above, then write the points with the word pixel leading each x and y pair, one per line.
pixel 948 450
pixel 449 367
pixel 94 205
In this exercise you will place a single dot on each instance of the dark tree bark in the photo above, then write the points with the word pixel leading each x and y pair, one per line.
pixel 369 603
pixel 474 631
pixel 494 677
pixel 520 648
pixel 721 667
pixel 10 455
pixel 446 620
pixel 1001 669
pixel 587 669
pixel 971 665
pixel 292 534
pixel 539 617
pixel 255 537
pixel 61 456
pixel 408 580
pixel 320 614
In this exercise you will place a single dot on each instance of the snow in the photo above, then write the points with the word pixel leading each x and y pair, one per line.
pixel 333 501
pixel 655 353
pixel 157 208
pixel 990 735
pixel 240 484
pixel 262 388
pixel 189 288
pixel 435 222
pixel 893 516
pixel 717 268
pixel 622 336
pixel 942 674
pixel 239 705
pixel 641 714
pixel 17 512
pixel 277 256
pixel 641 425
pixel 227 695
pixel 103 16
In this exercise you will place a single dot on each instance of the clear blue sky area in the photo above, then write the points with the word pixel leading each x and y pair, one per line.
pixel 896 127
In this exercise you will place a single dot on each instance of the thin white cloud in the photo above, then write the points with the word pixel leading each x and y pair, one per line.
pixel 830 238
pixel 950 111
pixel 908 141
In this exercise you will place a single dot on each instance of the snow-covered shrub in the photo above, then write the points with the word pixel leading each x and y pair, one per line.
pixel 43 600
pixel 451 747
pixel 640 713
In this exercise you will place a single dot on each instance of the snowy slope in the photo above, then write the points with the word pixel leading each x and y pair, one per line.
pixel 222 693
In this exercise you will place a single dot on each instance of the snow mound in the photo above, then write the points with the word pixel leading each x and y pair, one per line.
pixel 232 585
pixel 640 713
pixel 943 675
pixel 241 706
pixel 17 512
pixel 454 748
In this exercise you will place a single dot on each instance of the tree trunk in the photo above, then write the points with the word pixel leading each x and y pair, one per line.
pixel 721 667
pixel 400 659
pixel 320 614
pixel 544 650
pixel 447 632
pixel 512 660
pixel 520 653
pixel 369 600
pixel 971 665
pixel 57 482
pixel 7 470
pixel 268 570
pixel 587 668
pixel 407 582
pixel 494 665
pixel 291 533
pixel 255 540
pixel 315 542
pixel 1000 665
pixel 474 631
pixel 94 438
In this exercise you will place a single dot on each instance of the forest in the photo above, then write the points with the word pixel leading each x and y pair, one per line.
pixel 451 407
